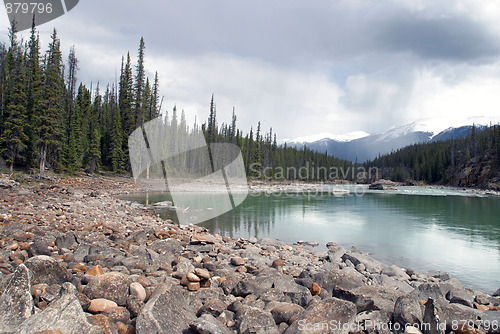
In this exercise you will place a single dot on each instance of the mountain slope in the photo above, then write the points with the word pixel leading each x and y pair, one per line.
pixel 371 146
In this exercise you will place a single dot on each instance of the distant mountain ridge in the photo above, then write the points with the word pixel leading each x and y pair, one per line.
pixel 369 146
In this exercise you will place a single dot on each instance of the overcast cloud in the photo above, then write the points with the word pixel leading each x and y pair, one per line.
pixel 302 67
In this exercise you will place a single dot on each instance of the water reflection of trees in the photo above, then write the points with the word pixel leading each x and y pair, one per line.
pixel 257 215
pixel 470 216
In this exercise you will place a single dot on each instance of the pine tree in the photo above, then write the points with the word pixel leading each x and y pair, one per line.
pixel 155 108
pixel 117 156
pixel 14 136
pixel 33 94
pixel 76 138
pixel 147 105
pixel 94 133
pixel 126 96
pixel 211 132
pixel 50 119
pixel 140 78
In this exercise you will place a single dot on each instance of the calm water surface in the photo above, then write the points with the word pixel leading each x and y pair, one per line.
pixel 425 229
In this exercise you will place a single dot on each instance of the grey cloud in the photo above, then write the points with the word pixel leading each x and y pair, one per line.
pixel 453 39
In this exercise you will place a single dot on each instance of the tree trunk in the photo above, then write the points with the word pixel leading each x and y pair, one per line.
pixel 43 156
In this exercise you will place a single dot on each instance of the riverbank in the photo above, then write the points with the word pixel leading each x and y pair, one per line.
pixel 74 258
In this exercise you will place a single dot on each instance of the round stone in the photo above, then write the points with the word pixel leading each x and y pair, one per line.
pixel 192 277
pixel 100 304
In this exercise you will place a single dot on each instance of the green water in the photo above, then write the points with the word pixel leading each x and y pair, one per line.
pixel 423 229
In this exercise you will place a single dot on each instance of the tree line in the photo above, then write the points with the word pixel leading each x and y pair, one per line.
pixel 442 161
pixel 50 121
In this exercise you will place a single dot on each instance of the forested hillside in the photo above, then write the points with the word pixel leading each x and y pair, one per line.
pixel 471 161
pixel 50 121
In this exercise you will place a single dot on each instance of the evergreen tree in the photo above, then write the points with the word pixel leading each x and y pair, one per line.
pixel 126 97
pixel 14 136
pixel 50 119
pixel 155 97
pixel 34 94
pixel 140 78
pixel 117 156
pixel 94 133
pixel 76 137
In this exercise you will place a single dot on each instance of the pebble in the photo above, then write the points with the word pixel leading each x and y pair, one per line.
pixel 192 277
pixel 78 268
pixel 95 271
pixel 237 261
pixel 193 286
pixel 100 304
pixel 137 291
pixel 315 289
pixel 202 273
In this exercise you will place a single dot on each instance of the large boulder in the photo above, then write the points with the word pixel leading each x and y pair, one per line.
pixel 64 315
pixel 327 316
pixel 370 297
pixel 408 311
pixel 45 269
pixel 112 286
pixel 207 324
pixel 255 320
pixel 167 311
pixel 336 278
pixel 16 303
pixel 436 291
pixel 434 318
pixel 372 266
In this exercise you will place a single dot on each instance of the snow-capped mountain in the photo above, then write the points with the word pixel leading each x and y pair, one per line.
pixel 326 135
pixel 362 146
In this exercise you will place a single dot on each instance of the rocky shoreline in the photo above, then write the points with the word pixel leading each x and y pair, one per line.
pixel 74 259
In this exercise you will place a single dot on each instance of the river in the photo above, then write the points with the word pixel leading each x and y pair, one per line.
pixel 413 227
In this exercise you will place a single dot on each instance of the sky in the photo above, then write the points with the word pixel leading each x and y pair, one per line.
pixel 300 67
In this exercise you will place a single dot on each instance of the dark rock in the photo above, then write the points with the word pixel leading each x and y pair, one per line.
pixel 112 286
pixel 212 306
pixel 433 318
pixel 64 314
pixel 456 313
pixel 408 311
pixel 237 261
pixel 337 278
pixel 207 324
pixel 285 312
pixel 167 311
pixel 383 185
pixel 134 306
pixel 396 273
pixel 253 285
pixel 51 293
pixel 37 248
pixel 84 301
pixel 372 266
pixel 496 293
pixel 16 303
pixel 372 297
pixel 66 240
pixel 435 291
pixel 327 316
pixel 372 321
pixel 461 296
pixel 46 270
pixel 254 320
pixel 482 299
pixel 81 251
